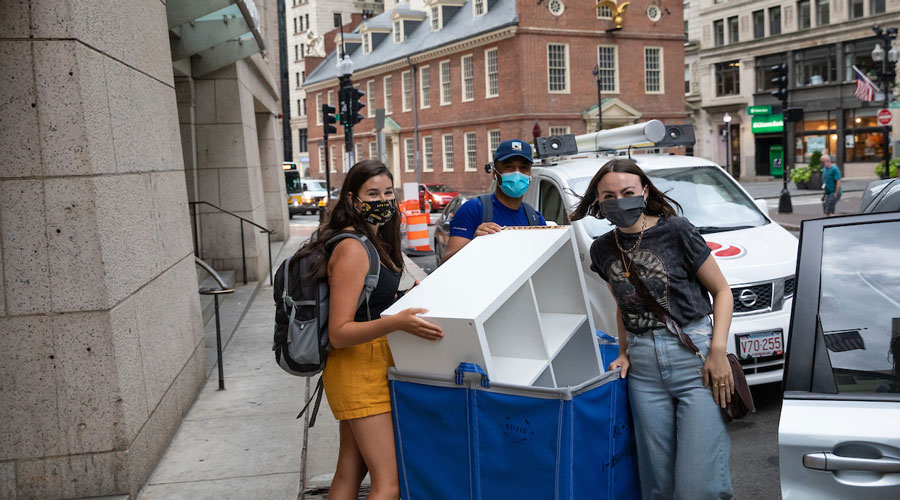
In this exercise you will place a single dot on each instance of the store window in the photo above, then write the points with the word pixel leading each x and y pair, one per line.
pixel 764 73
pixel 815 66
pixel 817 132
pixel 728 78
pixel 863 139
pixel 859 53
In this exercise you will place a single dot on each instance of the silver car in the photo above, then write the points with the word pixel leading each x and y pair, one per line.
pixel 839 435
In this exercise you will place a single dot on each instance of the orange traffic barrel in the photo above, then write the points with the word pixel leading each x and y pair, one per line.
pixel 417 241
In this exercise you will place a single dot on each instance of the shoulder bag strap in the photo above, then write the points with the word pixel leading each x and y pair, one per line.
pixel 487 208
pixel 374 266
pixel 659 311
pixel 531 214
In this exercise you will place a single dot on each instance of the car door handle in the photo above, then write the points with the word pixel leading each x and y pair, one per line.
pixel 831 462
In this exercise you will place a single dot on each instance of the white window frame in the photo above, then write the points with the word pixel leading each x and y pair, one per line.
pixel 343 155
pixel 488 76
pixel 373 151
pixel 462 76
pixel 446 97
pixel 490 142
pixel 479 5
pixel 470 165
pixel 331 159
pixel 319 109
pixel 437 18
pixel 322 165
pixel 568 89
pixel 357 149
pixel 604 16
pixel 397 30
pixel 303 107
pixel 427 158
pixel 388 85
pixel 370 96
pixel 409 155
pixel 424 92
pixel 367 43
pixel 560 129
pixel 447 163
pixel 406 90
pixel 662 86
pixel 331 98
pixel 615 68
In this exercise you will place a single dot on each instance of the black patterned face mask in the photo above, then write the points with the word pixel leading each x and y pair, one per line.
pixel 378 212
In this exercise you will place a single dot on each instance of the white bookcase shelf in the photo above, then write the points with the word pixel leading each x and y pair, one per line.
pixel 514 303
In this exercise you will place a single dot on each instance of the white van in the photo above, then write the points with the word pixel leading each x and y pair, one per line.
pixel 757 256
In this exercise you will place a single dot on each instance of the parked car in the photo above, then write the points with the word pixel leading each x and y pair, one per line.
pixel 839 433
pixel 442 227
pixel 435 197
pixel 881 196
pixel 756 255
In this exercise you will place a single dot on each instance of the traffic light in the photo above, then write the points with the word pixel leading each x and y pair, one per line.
pixel 328 119
pixel 356 105
pixel 781 83
pixel 344 103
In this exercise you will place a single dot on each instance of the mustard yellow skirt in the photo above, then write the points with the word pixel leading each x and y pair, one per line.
pixel 355 380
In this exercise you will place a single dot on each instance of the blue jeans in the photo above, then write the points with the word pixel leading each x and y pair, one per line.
pixel 682 438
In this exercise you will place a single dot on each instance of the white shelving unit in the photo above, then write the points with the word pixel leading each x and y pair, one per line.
pixel 512 302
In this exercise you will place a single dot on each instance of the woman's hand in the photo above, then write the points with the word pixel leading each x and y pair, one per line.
pixel 410 323
pixel 621 362
pixel 718 371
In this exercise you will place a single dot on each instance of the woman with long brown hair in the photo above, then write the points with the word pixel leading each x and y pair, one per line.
pixel 355 375
pixel 683 445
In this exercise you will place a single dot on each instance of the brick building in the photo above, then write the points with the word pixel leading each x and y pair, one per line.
pixel 456 77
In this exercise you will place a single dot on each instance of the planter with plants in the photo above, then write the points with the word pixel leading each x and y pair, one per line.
pixel 815 170
pixel 894 167
pixel 800 176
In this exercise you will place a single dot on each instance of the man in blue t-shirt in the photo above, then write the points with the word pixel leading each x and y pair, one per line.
pixel 512 173
pixel 831 175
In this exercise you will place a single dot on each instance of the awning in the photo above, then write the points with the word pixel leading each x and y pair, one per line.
pixel 213 33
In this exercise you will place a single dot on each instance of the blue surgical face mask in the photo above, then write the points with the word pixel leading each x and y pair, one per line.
pixel 514 184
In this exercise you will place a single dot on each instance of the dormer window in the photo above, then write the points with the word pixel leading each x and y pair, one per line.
pixel 435 18
pixel 480 7
pixel 367 43
pixel 398 32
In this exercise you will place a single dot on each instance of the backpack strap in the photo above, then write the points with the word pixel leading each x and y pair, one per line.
pixel 487 211
pixel 374 265
pixel 487 208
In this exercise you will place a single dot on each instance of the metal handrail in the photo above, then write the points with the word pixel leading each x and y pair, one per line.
pixel 267 231
pixel 215 292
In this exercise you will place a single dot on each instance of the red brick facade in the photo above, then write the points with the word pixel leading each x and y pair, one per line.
pixel 523 87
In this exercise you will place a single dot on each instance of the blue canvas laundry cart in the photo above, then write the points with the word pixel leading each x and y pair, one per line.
pixel 464 437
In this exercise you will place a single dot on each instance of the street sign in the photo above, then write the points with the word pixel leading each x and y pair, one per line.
pixel 894 105
pixel 884 116
pixel 759 110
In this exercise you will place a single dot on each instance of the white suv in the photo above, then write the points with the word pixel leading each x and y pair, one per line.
pixel 757 256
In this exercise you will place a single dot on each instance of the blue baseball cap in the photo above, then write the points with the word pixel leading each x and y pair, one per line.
pixel 513 147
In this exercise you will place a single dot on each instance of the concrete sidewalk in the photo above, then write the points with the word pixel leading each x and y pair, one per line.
pixel 244 443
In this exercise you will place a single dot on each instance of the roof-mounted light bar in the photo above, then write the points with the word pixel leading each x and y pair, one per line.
pixel 639 134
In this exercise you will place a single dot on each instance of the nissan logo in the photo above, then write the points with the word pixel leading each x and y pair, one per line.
pixel 748 297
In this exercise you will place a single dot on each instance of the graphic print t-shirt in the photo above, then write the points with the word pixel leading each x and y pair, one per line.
pixel 666 262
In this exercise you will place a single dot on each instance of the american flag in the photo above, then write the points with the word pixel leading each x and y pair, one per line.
pixel 865 89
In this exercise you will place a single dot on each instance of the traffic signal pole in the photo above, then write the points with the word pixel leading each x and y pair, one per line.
pixel 781 93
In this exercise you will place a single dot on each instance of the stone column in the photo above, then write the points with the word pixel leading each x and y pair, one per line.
pixel 268 130
pixel 101 346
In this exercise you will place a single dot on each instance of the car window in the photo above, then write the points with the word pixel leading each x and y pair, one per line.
pixel 550 203
pixel 439 188
pixel 859 306
pixel 292 182
pixel 709 197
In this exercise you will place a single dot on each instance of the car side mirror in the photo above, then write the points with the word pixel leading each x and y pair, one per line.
pixel 763 206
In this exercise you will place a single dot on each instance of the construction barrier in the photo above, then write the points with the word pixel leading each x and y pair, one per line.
pixel 417 232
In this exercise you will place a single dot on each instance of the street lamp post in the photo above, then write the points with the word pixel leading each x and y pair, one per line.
pixel 596 73
pixel 345 68
pixel 727 120
pixel 885 77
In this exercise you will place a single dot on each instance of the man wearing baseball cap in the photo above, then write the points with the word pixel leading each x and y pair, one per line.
pixel 490 213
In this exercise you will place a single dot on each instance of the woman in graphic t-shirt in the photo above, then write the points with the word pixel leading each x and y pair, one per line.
pixel 682 439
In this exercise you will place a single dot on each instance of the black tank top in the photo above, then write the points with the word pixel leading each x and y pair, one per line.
pixel 383 295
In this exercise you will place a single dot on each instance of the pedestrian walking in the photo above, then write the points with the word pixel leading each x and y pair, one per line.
pixel 355 375
pixel 490 213
pixel 682 439
pixel 831 176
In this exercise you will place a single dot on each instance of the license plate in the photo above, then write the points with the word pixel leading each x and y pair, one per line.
pixel 760 344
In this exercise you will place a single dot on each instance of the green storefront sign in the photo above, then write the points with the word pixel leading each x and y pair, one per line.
pixel 759 110
pixel 762 124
